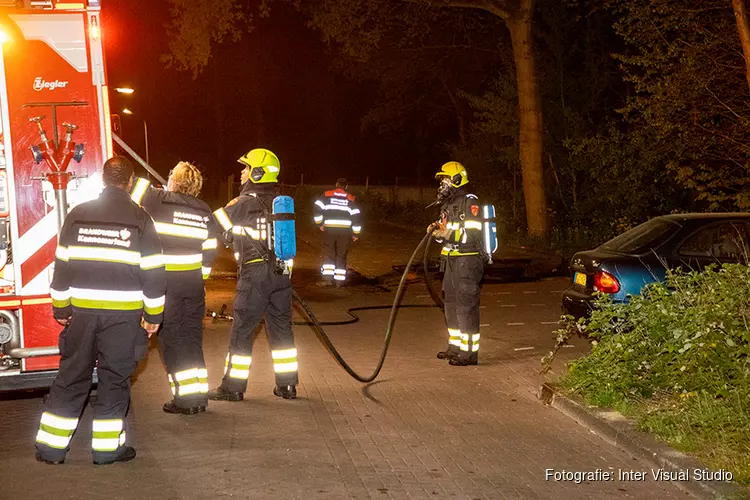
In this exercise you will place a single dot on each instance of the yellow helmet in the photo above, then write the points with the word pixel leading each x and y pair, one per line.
pixel 263 164
pixel 455 172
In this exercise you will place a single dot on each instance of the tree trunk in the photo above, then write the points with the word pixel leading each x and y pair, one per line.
pixel 458 108
pixel 740 15
pixel 530 117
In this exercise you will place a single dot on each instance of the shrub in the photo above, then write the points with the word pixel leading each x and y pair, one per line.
pixel 677 358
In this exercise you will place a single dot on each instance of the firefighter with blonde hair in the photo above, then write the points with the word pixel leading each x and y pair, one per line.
pixel 188 235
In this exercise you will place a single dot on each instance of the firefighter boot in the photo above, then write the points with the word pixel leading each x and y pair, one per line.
pixel 446 354
pixel 285 391
pixel 126 454
pixel 463 361
pixel 39 458
pixel 173 407
pixel 221 394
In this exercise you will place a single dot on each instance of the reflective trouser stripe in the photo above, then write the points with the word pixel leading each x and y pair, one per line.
pixel 55 431
pixel 240 366
pixel 187 382
pixel 107 435
pixel 454 337
pixel 328 270
pixel 285 360
pixel 339 274
pixel 465 342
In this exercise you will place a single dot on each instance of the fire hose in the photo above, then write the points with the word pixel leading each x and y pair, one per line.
pixel 318 325
pixel 323 337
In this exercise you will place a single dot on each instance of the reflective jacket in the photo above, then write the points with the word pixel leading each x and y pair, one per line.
pixel 245 221
pixel 109 260
pixel 337 210
pixel 188 235
pixel 461 215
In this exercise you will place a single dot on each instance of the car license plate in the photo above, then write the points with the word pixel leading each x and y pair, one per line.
pixel 579 279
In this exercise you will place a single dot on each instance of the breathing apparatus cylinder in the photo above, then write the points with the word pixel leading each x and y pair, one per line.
pixel 283 228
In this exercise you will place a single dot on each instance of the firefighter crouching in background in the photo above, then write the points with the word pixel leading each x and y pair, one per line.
pixel 460 231
pixel 108 282
pixel 340 219
pixel 263 284
pixel 188 235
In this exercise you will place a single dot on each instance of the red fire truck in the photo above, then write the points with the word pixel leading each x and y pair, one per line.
pixel 55 134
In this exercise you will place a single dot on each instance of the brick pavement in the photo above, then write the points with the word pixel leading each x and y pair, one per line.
pixel 423 430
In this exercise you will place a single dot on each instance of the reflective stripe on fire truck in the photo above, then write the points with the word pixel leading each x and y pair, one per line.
pixel 284 360
pixel 107 435
pixel 240 366
pixel 139 190
pixel 183 262
pixel 55 431
pixel 179 230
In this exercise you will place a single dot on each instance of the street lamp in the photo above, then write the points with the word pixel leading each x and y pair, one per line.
pixel 124 90
pixel 126 111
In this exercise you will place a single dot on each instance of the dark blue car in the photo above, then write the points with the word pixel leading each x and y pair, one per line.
pixel 642 255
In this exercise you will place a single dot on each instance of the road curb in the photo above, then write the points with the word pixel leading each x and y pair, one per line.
pixel 619 431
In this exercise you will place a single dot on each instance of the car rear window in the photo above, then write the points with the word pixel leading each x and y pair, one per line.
pixel 642 238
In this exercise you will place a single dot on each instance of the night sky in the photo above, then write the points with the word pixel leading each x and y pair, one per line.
pixel 276 89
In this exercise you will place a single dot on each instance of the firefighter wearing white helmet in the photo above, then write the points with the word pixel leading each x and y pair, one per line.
pixel 263 286
pixel 459 230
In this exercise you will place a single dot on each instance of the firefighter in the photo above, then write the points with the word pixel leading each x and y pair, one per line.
pixel 263 284
pixel 459 230
pixel 188 236
pixel 340 220
pixel 108 286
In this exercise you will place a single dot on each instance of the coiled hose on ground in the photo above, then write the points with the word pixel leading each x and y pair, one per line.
pixel 318 325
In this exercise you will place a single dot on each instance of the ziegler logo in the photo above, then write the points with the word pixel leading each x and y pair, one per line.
pixel 41 84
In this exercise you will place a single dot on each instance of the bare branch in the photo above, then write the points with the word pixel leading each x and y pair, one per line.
pixel 497 7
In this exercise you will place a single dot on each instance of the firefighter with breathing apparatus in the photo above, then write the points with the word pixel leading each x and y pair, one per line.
pixel 263 283
pixel 188 231
pixel 463 257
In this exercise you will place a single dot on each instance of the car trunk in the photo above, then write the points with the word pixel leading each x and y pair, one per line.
pixel 584 266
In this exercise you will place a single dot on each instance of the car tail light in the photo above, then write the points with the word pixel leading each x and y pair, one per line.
pixel 605 282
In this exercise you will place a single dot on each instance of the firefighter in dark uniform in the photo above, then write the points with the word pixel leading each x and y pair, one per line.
pixel 188 237
pixel 108 286
pixel 459 230
pixel 263 284
pixel 340 220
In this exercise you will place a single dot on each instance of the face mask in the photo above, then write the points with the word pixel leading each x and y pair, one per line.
pixel 445 189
